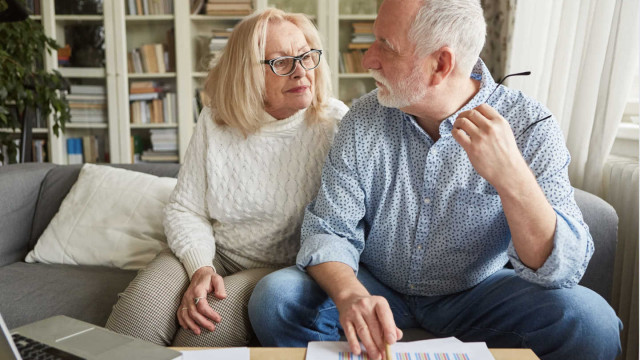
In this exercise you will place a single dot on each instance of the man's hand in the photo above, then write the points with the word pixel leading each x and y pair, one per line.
pixel 370 319
pixel 192 315
pixel 489 142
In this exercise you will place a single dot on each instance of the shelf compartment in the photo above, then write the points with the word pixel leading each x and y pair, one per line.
pixel 145 18
pixel 166 75
pixel 71 125
pixel 79 18
pixel 77 72
pixel 154 126
pixel 19 131
pixel 357 17
pixel 215 18
pixel 355 76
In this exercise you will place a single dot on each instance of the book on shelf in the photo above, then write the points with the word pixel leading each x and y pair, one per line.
pixel 359 46
pixel 164 146
pixel 149 7
pixel 39 150
pixel 362 27
pixel 362 35
pixel 149 58
pixel 160 156
pixel 164 139
pixel 200 100
pixel 230 8
pixel 90 148
pixel 352 61
pixel 87 89
pixel 136 148
pixel 74 151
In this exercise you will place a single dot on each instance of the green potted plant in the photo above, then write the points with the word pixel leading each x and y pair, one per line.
pixel 24 82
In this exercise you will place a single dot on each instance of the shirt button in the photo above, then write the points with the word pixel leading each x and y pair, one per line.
pixel 434 152
pixel 419 247
pixel 411 287
pixel 427 201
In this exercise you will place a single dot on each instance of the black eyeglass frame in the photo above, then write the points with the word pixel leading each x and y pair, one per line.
pixel 525 73
pixel 295 58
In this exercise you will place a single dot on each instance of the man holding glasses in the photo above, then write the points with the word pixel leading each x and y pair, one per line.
pixel 435 182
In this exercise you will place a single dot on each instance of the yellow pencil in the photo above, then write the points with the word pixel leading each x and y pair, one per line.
pixel 387 349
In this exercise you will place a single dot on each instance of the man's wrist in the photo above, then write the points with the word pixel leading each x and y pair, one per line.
pixel 515 181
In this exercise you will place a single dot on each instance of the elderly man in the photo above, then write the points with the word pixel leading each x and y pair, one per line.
pixel 434 183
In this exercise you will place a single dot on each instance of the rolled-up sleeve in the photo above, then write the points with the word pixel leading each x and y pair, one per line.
pixel 549 160
pixel 333 225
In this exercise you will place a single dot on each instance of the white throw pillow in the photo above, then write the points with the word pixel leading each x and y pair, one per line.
pixel 111 217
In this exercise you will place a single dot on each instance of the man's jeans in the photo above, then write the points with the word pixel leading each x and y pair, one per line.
pixel 289 309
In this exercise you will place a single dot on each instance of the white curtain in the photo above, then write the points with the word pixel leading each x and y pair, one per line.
pixel 582 55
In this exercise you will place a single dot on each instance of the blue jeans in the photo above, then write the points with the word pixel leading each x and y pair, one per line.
pixel 289 309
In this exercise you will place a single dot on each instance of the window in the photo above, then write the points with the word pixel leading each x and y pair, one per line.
pixel 626 143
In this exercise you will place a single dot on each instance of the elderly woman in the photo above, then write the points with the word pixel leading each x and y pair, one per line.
pixel 252 165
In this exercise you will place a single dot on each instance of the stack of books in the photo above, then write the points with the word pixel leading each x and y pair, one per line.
pixel 150 7
pixel 229 7
pixel 151 103
pixel 218 41
pixel 87 104
pixel 361 39
pixel 164 146
pixel 149 58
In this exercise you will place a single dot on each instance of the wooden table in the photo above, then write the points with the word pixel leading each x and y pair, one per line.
pixel 258 353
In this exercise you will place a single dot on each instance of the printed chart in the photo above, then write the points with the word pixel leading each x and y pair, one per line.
pixel 409 356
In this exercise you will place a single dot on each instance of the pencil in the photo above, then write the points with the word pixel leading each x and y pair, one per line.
pixel 387 349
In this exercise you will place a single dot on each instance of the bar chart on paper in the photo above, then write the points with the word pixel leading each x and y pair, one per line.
pixel 410 356
pixel 435 349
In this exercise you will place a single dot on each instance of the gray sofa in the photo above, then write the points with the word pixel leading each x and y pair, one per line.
pixel 30 195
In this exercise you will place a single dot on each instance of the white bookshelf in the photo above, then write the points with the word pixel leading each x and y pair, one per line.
pixel 124 32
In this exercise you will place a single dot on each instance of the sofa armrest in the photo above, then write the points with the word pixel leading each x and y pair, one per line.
pixel 603 225
pixel 19 189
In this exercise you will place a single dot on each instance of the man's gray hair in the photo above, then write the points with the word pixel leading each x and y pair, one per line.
pixel 458 24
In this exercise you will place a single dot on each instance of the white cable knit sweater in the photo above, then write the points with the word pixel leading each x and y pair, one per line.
pixel 247 196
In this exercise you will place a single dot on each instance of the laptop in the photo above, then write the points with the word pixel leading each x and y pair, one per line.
pixel 61 337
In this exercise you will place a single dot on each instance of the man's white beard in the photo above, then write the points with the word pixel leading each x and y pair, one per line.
pixel 407 92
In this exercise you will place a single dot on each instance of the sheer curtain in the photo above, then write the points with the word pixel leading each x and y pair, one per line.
pixel 582 55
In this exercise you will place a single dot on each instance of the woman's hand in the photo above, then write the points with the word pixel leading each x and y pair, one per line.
pixel 194 316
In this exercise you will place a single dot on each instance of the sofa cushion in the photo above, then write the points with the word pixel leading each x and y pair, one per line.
pixel 59 181
pixel 110 217
pixel 32 292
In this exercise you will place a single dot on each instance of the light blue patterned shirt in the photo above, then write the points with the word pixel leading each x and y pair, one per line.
pixel 417 214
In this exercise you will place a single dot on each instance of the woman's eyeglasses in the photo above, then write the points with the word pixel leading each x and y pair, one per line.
pixel 286 65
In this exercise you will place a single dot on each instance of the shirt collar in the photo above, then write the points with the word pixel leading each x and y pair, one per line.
pixel 487 85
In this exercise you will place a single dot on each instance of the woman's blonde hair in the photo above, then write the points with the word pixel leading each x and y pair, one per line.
pixel 236 84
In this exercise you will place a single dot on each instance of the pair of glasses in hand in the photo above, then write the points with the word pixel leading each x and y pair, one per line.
pixel 525 73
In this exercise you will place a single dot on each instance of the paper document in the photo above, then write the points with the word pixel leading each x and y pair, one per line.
pixel 435 349
pixel 218 354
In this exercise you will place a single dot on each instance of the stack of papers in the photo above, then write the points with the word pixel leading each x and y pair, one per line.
pixel 435 349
